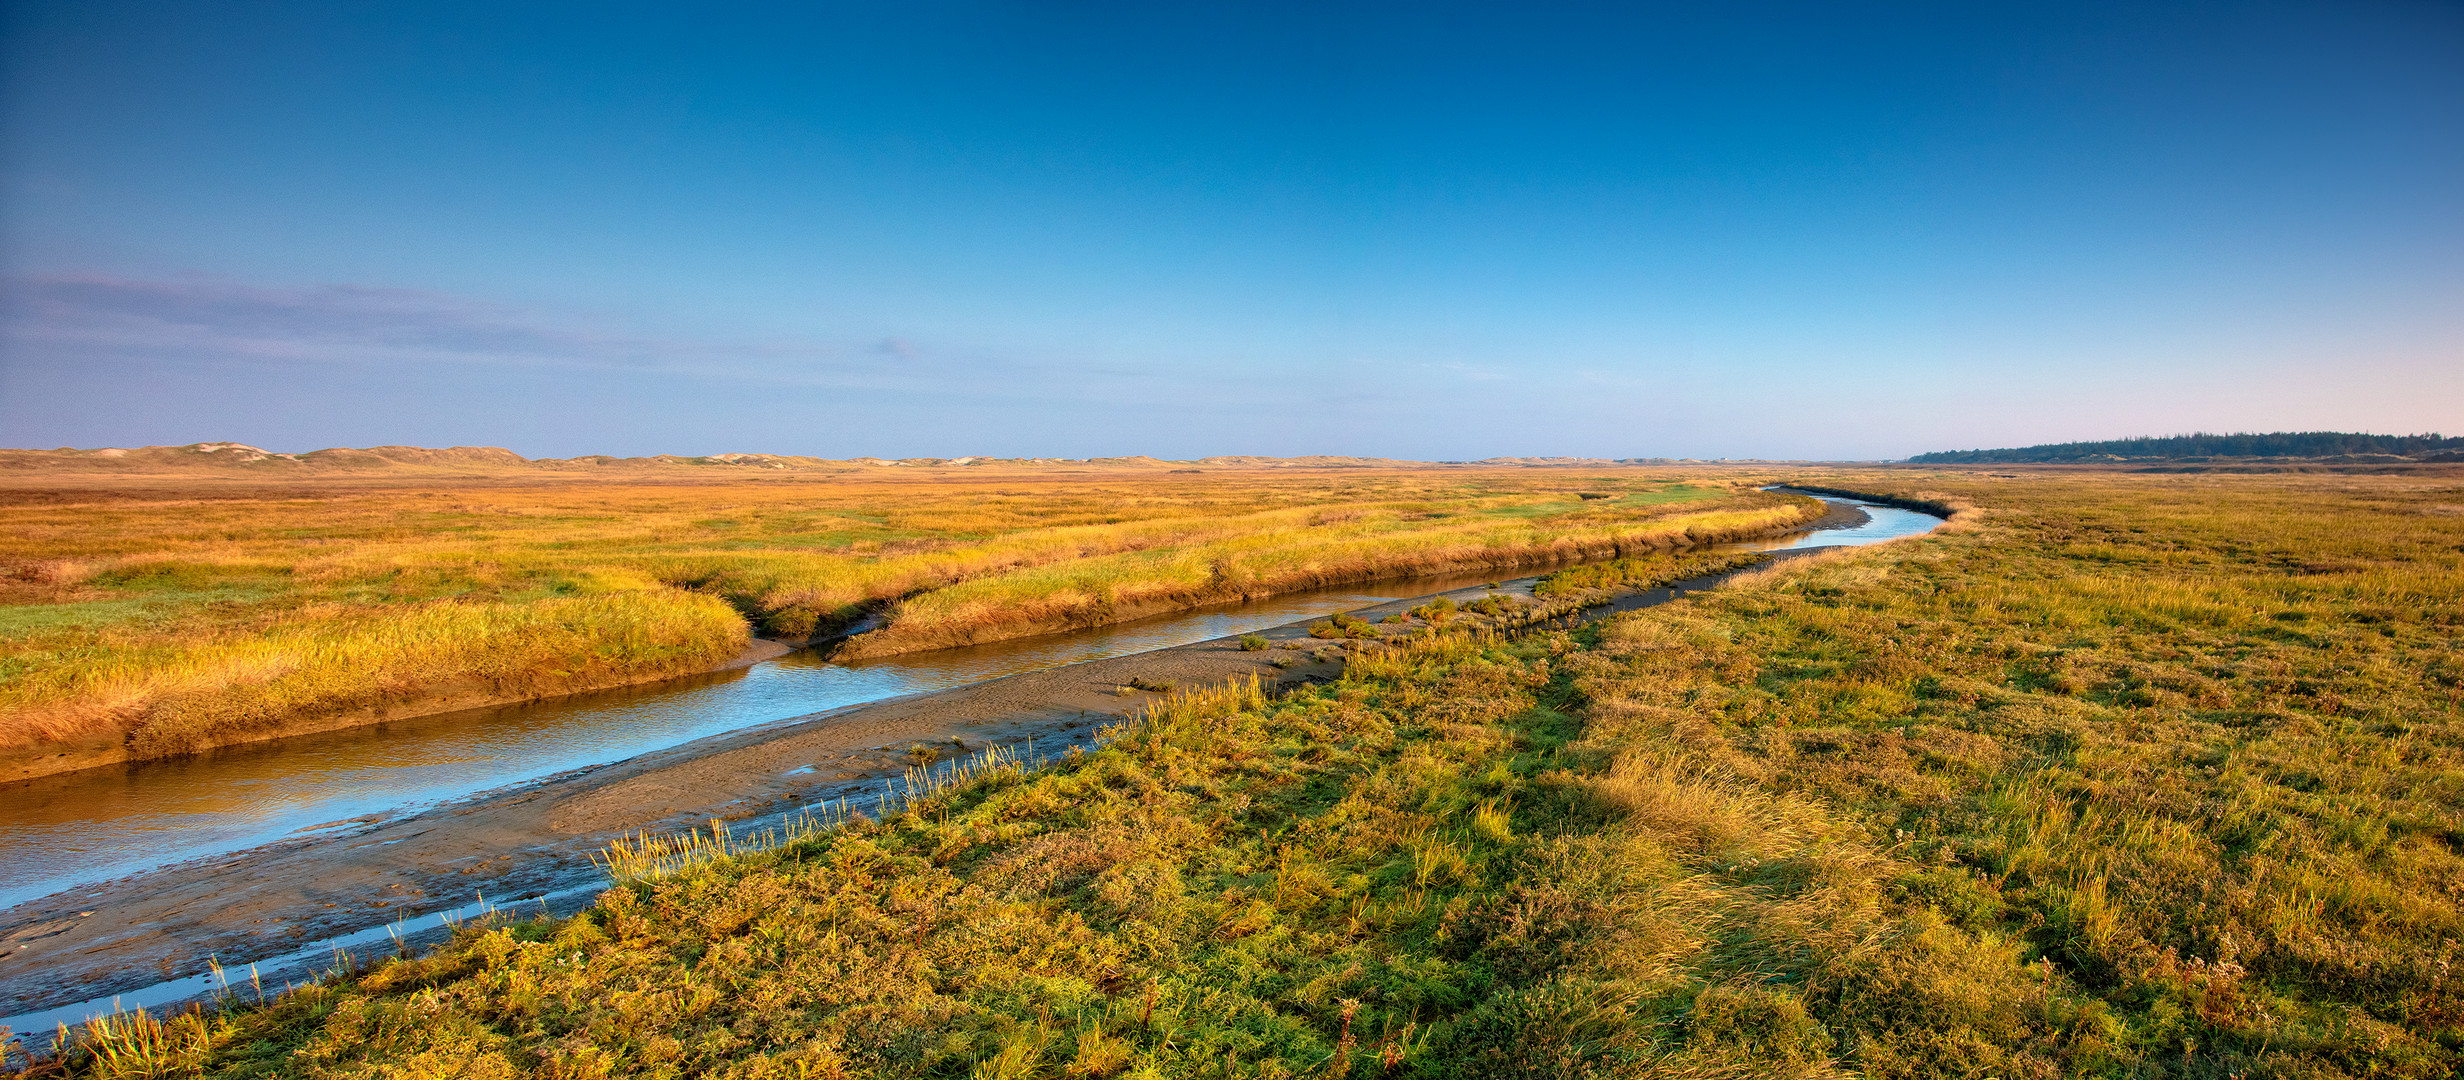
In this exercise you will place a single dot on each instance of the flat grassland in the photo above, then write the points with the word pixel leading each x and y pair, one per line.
pixel 2133 776
pixel 157 615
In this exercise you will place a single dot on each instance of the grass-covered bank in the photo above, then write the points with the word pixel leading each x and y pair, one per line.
pixel 2137 776
pixel 1286 551
pixel 152 620
pixel 221 687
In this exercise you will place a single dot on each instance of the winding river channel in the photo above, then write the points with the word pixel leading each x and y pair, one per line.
pixel 61 833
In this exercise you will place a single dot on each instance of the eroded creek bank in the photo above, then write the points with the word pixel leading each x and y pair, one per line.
pixel 63 956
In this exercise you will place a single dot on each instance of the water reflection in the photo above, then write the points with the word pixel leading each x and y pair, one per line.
pixel 1881 523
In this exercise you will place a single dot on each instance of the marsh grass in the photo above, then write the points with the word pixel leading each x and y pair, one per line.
pixel 1631 572
pixel 210 689
pixel 1285 550
pixel 2134 777
pixel 161 623
pixel 652 857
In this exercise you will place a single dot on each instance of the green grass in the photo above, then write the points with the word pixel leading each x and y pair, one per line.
pixel 2131 777
pixel 1674 493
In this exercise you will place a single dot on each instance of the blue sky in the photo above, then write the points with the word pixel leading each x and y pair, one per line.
pixel 1817 230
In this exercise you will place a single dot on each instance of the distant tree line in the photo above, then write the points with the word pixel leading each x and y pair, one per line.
pixel 2275 444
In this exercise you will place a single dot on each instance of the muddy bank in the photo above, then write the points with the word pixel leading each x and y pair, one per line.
pixel 53 760
pixel 1840 516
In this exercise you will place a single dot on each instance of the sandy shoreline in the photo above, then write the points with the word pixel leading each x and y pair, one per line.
pixel 538 837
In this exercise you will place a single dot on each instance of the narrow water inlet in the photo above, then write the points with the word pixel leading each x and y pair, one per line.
pixel 57 831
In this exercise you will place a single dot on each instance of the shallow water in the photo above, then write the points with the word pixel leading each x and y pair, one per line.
pixel 1882 523
pixel 62 831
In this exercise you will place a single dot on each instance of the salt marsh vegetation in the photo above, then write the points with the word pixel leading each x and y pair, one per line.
pixel 2133 776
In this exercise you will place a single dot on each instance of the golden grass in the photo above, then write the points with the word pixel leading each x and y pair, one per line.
pixel 2135 777
pixel 204 690
pixel 160 616
pixel 1281 551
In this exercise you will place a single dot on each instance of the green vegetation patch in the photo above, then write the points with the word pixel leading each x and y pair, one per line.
pixel 1673 494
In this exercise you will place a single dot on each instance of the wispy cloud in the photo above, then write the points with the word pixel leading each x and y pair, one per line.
pixel 257 321
pixel 341 324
